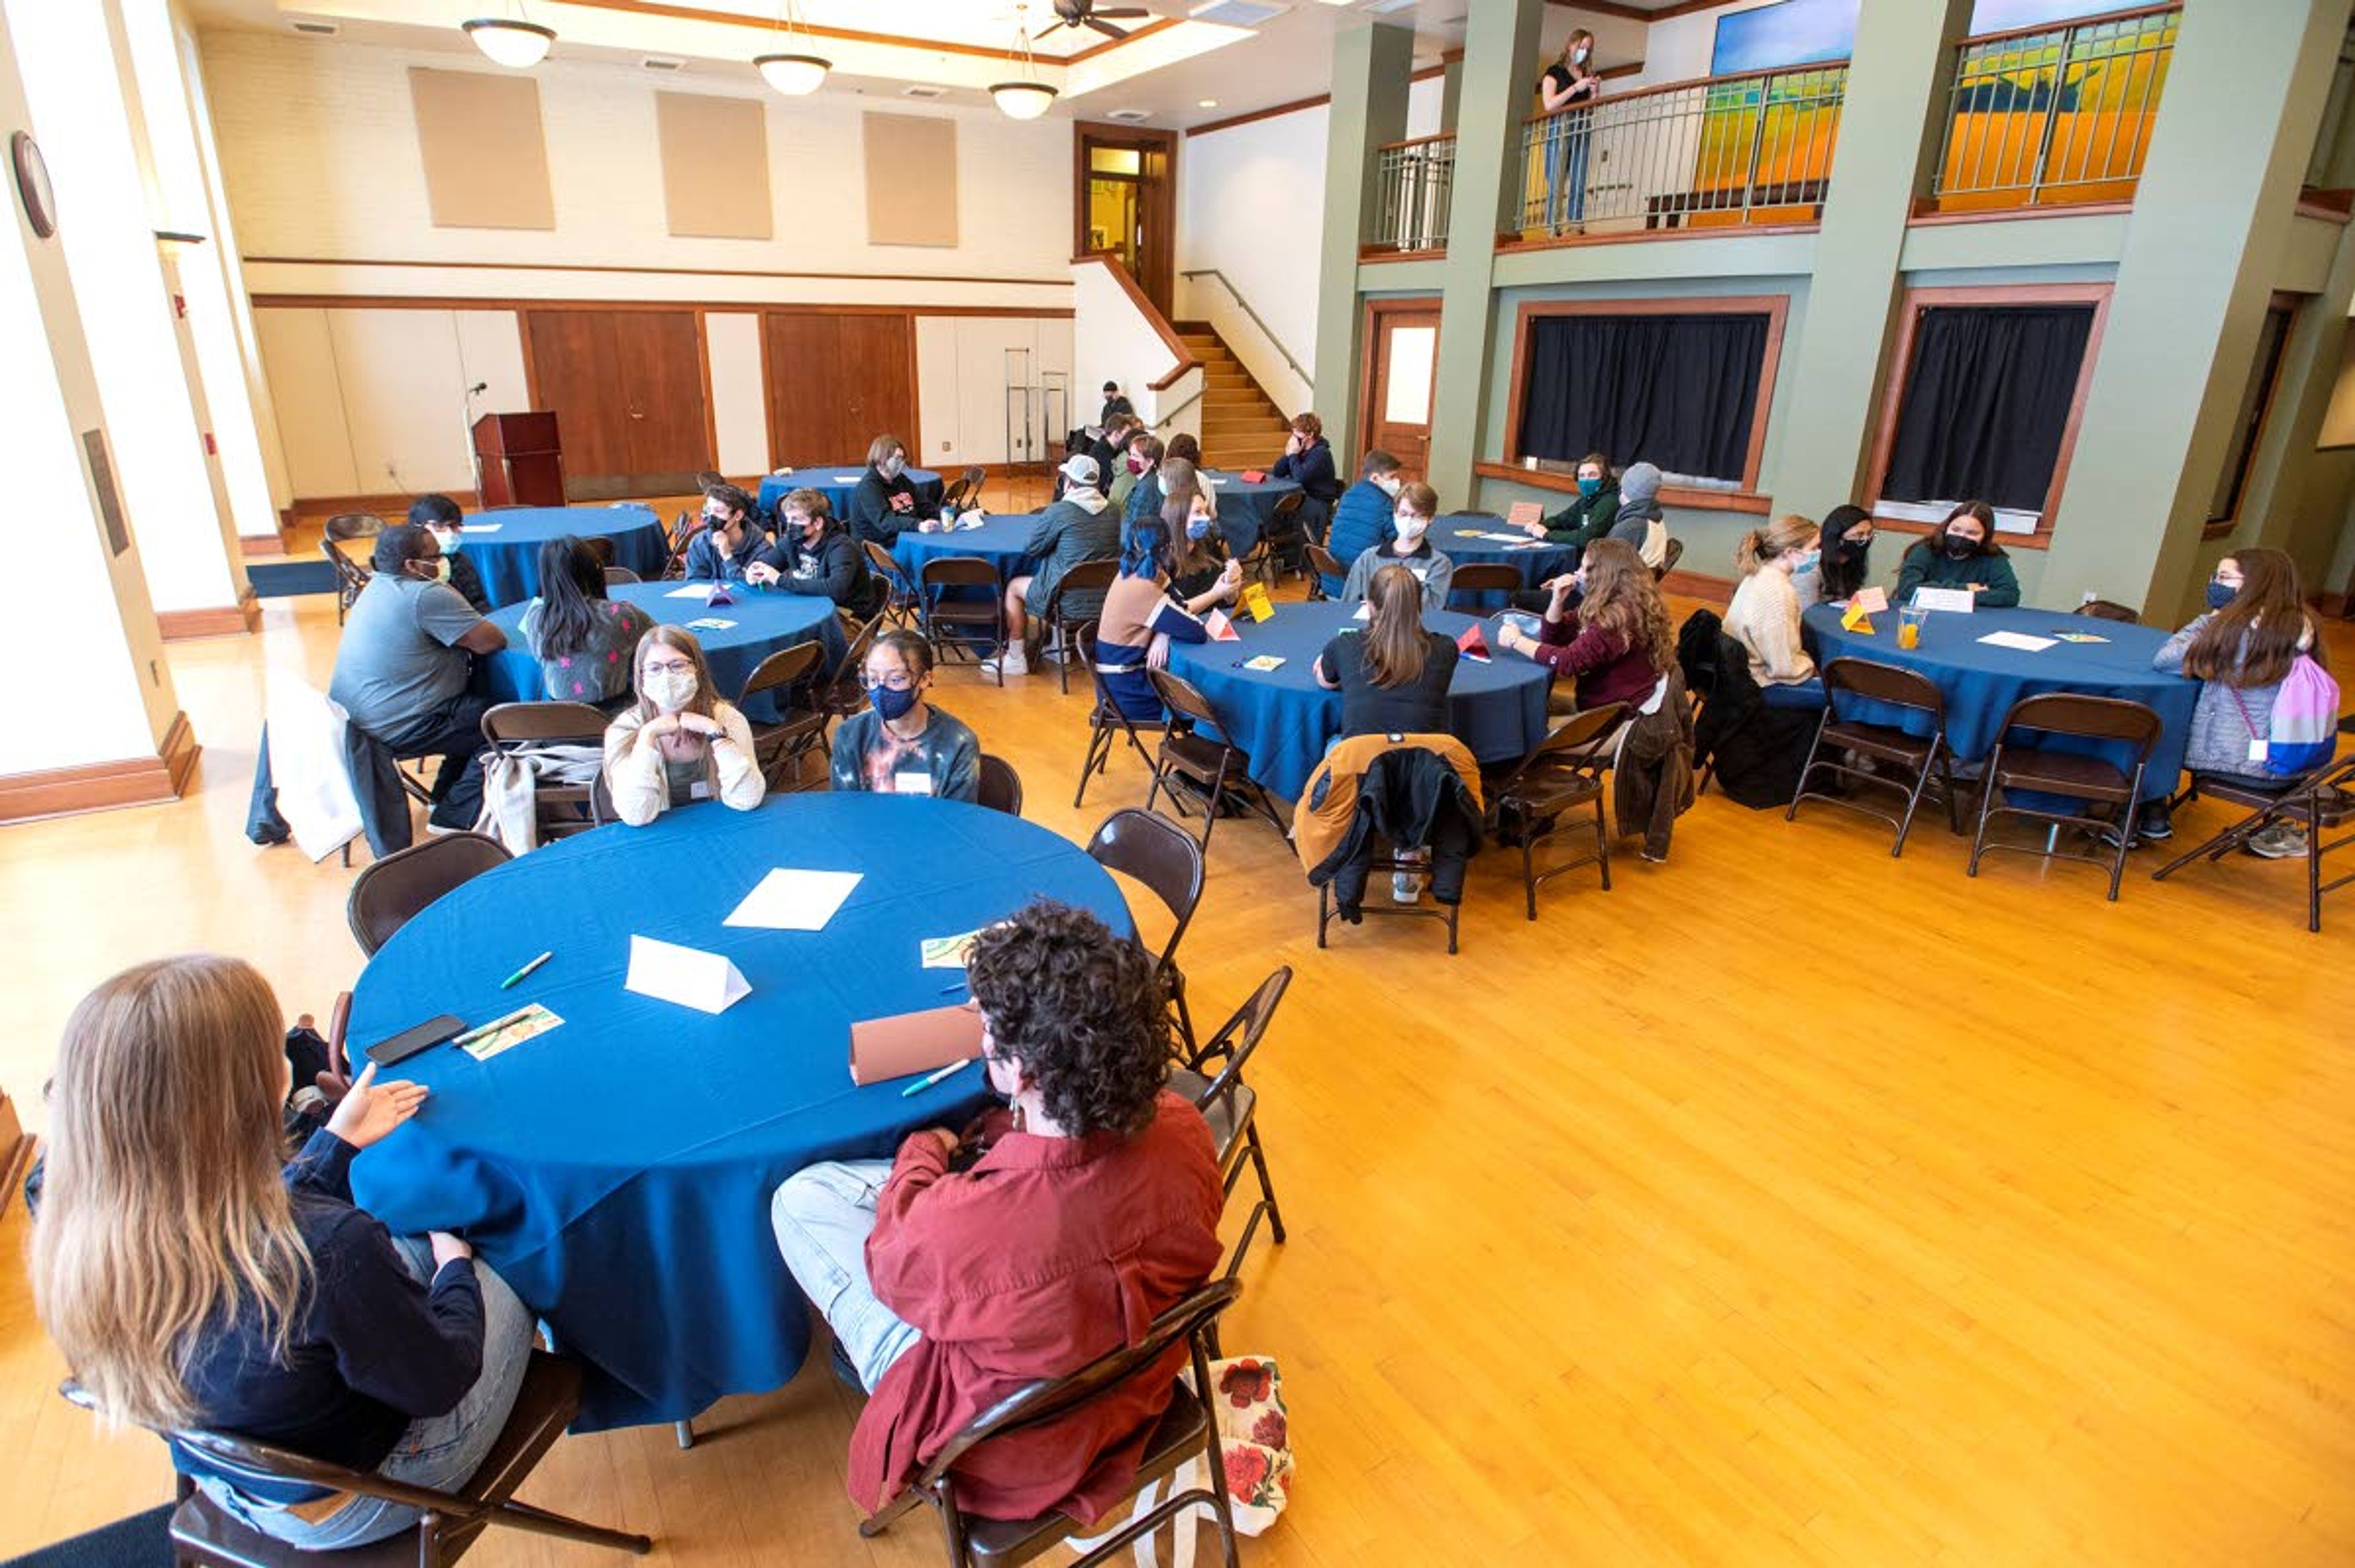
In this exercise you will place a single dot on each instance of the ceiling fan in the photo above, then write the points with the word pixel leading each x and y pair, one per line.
pixel 1086 14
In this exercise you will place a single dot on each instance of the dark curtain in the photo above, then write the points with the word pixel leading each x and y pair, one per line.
pixel 1985 401
pixel 1675 391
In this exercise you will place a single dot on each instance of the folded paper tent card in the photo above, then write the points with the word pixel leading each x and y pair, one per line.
pixel 708 982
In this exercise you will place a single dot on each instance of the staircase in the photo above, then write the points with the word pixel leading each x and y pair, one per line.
pixel 1241 427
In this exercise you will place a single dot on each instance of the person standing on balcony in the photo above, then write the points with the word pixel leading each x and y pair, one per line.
pixel 1566 93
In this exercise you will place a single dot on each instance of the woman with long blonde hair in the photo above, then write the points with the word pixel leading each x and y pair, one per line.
pixel 193 1284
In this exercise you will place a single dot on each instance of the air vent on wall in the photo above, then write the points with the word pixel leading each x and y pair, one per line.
pixel 662 62
pixel 1236 13
pixel 1130 117
pixel 923 89
pixel 315 28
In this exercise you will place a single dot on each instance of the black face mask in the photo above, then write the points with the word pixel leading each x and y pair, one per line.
pixel 1960 549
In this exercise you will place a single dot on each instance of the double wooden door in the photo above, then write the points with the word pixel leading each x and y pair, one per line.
pixel 627 387
pixel 836 382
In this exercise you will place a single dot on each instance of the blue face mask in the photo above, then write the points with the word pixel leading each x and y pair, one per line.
pixel 1588 487
pixel 1808 561
pixel 889 704
pixel 2221 593
pixel 1198 528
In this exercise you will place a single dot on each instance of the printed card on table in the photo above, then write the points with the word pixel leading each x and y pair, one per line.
pixel 1221 629
pixel 1855 618
pixel 788 900
pixel 1472 645
pixel 709 623
pixel 1256 603
pixel 1956 601
pixel 947 952
pixel 1871 601
pixel 1521 513
pixel 1252 476
pixel 525 1023
pixel 1264 663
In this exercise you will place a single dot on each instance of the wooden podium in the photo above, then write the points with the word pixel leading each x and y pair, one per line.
pixel 521 461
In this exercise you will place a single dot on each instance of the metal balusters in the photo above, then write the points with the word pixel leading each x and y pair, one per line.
pixel 2054 116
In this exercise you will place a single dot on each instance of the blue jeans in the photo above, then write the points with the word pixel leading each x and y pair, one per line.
pixel 823 1216
pixel 437 1451
pixel 1567 136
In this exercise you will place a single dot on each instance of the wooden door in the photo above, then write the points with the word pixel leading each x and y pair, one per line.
pixel 1401 376
pixel 667 435
pixel 877 389
pixel 576 372
pixel 803 369
pixel 1124 197
pixel 627 387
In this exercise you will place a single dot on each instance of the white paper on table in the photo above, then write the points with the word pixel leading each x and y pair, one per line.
pixel 466 528
pixel 1958 600
pixel 692 591
pixel 1508 538
pixel 706 982
pixel 2019 640
pixel 793 901
pixel 1364 612
pixel 846 478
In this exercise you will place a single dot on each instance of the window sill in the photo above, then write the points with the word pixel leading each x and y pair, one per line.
pixel 2040 539
pixel 1671 495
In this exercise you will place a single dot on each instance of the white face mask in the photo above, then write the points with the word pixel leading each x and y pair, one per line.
pixel 447 539
pixel 1162 486
pixel 670 690
pixel 1389 485
pixel 437 570
pixel 1410 526
pixel 1581 55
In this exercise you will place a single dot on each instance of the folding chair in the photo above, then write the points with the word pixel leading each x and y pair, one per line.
pixel 782 745
pixel 1281 541
pixel 1060 625
pixel 682 534
pixel 561 809
pixel 1561 773
pixel 351 574
pixel 944 619
pixel 617 575
pixel 1155 852
pixel 1199 753
pixel 2322 800
pixel 1321 565
pixel 2108 610
pixel 1675 553
pixel 1213 1079
pixel 1483 577
pixel 389 892
pixel 1863 680
pixel 2044 771
pixel 899 601
pixel 846 694
pixel 1001 786
pixel 1106 721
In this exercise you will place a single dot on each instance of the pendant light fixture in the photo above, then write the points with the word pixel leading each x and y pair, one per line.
pixel 794 74
pixel 512 42
pixel 1027 99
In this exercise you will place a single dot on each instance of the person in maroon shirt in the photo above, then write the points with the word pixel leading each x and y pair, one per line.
pixel 1618 642
pixel 1043 1237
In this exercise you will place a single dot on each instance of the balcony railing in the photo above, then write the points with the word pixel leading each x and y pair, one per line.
pixel 1721 152
pixel 2054 117
pixel 1414 181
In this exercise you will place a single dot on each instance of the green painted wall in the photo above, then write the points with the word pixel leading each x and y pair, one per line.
pixel 1371 66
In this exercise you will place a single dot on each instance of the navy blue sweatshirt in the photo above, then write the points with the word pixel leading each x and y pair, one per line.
pixel 372 1349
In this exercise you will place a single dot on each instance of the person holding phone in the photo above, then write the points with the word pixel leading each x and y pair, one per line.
pixel 1567 93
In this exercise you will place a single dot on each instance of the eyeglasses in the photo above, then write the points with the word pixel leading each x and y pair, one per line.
pixel 901 681
pixel 666 666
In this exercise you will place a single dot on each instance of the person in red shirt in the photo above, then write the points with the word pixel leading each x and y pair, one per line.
pixel 1043 1237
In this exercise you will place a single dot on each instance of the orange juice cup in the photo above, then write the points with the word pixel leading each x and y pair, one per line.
pixel 1909 628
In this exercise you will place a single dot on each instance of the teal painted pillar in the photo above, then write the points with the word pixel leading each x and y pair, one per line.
pixel 1370 71
pixel 1889 127
pixel 1500 63
pixel 2211 221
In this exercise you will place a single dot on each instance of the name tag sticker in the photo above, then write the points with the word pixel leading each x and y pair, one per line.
pixel 2256 751
pixel 699 790
pixel 910 782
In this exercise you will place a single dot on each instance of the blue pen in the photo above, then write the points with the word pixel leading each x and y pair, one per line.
pixel 921 1084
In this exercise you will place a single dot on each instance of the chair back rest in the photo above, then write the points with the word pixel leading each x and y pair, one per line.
pixel 354 525
pixel 974 475
pixel 602 547
pixel 844 691
pixel 1087 577
pixel 2093 718
pixel 1159 853
pixel 958 571
pixel 349 570
pixel 1578 733
pixel 1287 507
pixel 1000 785
pixel 955 495
pixel 1084 641
pixel 1183 697
pixel 785 668
pixel 515 724
pixel 879 560
pixel 1050 1399
pixel 618 574
pixel 1237 1038
pixel 1321 561
pixel 1484 577
pixel 1876 682
pixel 388 894
pixel 2108 610
pixel 1675 553
pixel 707 478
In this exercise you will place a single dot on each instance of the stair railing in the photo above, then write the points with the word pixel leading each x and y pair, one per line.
pixel 1256 319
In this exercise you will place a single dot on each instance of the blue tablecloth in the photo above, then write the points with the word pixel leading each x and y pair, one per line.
pixel 1535 565
pixel 508 556
pixel 1244 508
pixel 835 482
pixel 1981 682
pixel 1286 721
pixel 765 621
pixel 617 1171
pixel 999 542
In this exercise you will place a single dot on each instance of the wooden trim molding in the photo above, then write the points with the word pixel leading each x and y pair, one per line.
pixel 1686 496
pixel 1510 240
pixel 213 620
pixel 102 787
pixel 757 23
pixel 1698 585
pixel 1168 334
pixel 2331 205
pixel 1370 328
pixel 1375 255
pixel 656 272
pixel 1910 305
pixel 467 302
pixel 1927 214
pixel 15 1151
pixel 388 505
pixel 1270 112
pixel 1774 307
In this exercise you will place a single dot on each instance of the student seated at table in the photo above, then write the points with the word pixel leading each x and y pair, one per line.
pixel 1041 1237
pixel 2241 649
pixel 441 514
pixel 679 742
pixel 1847 544
pixel 1618 643
pixel 1587 518
pixel 1764 614
pixel 1144 494
pixel 582 640
pixel 1408 548
pixel 1307 461
pixel 1393 676
pixel 403 668
pixel 1080 527
pixel 1363 516
pixel 193 1283
pixel 816 556
pixel 1142 617
pixel 1638 520
pixel 1962 554
pixel 730 539
pixel 1199 556
pixel 900 744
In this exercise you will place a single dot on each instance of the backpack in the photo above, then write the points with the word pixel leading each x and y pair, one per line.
pixel 2303 732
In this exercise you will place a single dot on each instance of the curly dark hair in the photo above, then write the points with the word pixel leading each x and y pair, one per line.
pixel 1081 1008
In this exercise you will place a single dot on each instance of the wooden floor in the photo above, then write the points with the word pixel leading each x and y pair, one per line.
pixel 1787 1203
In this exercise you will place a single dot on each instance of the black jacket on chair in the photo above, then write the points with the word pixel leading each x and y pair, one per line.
pixel 1408 799
pixel 1757 751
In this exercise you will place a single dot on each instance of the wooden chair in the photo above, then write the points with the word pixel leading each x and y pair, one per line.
pixel 2321 801
pixel 945 620
pixel 1157 853
pixel 846 694
pixel 351 576
pixel 1866 681
pixel 562 809
pixel 1185 1431
pixel 2046 770
pixel 1213 1079
pixel 1001 786
pixel 1676 552
pixel 2108 610
pixel 899 598
pixel 782 745
pixel 1483 577
pixel 1106 721
pixel 1561 773
pixel 1197 751
pixel 1321 565
pixel 683 531
pixel 1282 542
pixel 546 1403
pixel 1061 627
pixel 389 892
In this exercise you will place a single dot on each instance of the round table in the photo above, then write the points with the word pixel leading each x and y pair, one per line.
pixel 999 542
pixel 617 1171
pixel 1244 507
pixel 764 622
pixel 1286 721
pixel 503 545
pixel 1980 682
pixel 1534 558
pixel 837 483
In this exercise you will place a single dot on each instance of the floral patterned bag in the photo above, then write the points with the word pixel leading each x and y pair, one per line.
pixel 1253 1436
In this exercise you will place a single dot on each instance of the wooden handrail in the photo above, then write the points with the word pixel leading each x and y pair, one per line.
pixel 2069 26
pixel 1687 86
pixel 1160 322
pixel 1416 142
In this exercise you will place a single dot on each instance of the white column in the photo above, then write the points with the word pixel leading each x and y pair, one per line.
pixel 92 717
pixel 90 128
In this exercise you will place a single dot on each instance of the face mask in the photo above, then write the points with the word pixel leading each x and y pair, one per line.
pixel 889 704
pixel 1409 529
pixel 1390 485
pixel 894 465
pixel 447 539
pixel 1581 55
pixel 1808 561
pixel 1162 486
pixel 670 690
pixel 1198 528
pixel 439 570
pixel 1959 549
pixel 1135 465
pixel 2221 593
pixel 812 529
pixel 1590 487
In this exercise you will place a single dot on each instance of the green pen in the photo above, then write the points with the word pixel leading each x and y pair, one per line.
pixel 526 969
